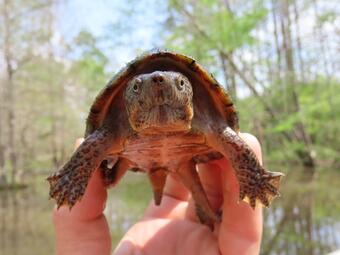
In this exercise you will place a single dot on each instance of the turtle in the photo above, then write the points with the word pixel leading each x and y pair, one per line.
pixel 163 114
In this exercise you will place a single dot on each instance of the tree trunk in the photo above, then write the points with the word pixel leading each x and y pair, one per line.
pixel 276 40
pixel 53 94
pixel 229 74
pixel 9 93
pixel 3 179
pixel 291 83
pixel 298 41
pixel 229 77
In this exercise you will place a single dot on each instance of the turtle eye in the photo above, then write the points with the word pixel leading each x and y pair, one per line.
pixel 136 85
pixel 180 84
pixel 135 88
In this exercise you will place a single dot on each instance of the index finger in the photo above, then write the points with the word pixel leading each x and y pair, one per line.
pixel 92 203
pixel 241 227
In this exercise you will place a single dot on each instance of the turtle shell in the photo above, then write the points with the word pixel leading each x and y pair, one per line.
pixel 207 90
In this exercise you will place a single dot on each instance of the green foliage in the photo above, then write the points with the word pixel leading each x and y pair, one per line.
pixel 203 29
pixel 89 68
pixel 206 28
pixel 58 93
pixel 286 123
pixel 319 108
pixel 290 64
pixel 327 17
pixel 210 25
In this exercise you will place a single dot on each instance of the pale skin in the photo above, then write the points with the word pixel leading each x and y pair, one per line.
pixel 171 228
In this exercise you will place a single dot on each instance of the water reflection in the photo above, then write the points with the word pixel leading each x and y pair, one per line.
pixel 25 221
pixel 305 220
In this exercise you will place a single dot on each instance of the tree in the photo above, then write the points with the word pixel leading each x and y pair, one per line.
pixel 15 55
pixel 222 36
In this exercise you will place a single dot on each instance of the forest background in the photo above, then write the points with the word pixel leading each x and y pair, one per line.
pixel 279 60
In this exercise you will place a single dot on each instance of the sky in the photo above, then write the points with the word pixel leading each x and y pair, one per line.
pixel 93 16
pixel 98 16
pixel 143 30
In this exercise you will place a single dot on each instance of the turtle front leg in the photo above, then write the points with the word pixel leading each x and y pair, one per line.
pixel 256 184
pixel 67 185
pixel 188 175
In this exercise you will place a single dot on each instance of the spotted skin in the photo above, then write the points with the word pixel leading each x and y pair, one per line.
pixel 257 186
pixel 67 186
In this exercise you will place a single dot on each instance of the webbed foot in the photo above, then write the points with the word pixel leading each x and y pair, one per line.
pixel 258 187
pixel 256 184
pixel 68 185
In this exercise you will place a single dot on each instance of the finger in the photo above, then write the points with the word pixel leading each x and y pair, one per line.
pixel 175 189
pixel 125 247
pixel 210 176
pixel 78 142
pixel 229 180
pixel 241 226
pixel 93 202
pixel 81 237
pixel 174 202
pixel 170 208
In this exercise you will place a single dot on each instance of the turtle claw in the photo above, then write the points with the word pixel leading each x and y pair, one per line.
pixel 259 189
pixel 66 187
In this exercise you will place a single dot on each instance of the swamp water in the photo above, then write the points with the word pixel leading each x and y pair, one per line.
pixel 305 220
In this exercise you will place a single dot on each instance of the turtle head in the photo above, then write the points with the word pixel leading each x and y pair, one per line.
pixel 159 102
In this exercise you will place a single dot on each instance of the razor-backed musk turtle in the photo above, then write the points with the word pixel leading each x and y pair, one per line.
pixel 163 114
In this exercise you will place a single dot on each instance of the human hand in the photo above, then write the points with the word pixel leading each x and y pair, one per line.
pixel 84 229
pixel 172 227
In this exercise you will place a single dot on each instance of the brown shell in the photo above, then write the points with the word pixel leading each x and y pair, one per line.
pixel 162 61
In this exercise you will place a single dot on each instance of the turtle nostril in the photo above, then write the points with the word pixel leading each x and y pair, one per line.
pixel 158 78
